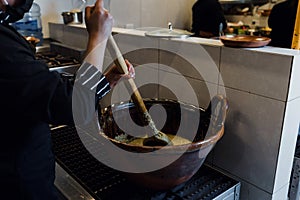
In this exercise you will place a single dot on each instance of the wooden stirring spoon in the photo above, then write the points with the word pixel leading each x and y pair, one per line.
pixel 158 138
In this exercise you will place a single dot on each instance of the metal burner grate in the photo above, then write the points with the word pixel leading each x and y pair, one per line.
pixel 60 57
pixel 53 59
pixel 105 183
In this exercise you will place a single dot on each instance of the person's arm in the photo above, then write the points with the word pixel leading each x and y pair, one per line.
pixel 90 83
pixel 99 25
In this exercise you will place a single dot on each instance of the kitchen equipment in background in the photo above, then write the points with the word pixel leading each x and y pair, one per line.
pixel 264 31
pixel 169 32
pixel 190 156
pixel 31 24
pixel 60 57
pixel 221 32
pixel 68 17
pixel 74 17
pixel 246 41
pixel 265 10
pixel 78 6
pixel 32 40
pixel 79 175
pixel 78 18
pixel 253 29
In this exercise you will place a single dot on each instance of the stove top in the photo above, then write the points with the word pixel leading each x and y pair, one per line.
pixel 60 57
pixel 104 183
pixel 54 59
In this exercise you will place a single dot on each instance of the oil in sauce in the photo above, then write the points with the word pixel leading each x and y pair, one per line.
pixel 176 140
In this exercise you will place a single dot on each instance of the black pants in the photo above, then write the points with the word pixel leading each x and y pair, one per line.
pixel 28 175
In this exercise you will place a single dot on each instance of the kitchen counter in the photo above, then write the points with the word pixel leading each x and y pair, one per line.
pixel 80 28
pixel 262 86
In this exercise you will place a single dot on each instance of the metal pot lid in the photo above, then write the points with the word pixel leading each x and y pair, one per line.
pixel 168 33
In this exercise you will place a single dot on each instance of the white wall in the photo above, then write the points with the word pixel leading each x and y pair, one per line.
pixel 51 11
pixel 139 13
pixel 153 13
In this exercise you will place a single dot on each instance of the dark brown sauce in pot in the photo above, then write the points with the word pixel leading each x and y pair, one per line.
pixel 177 115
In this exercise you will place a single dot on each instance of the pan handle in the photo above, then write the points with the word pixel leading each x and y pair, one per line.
pixel 218 109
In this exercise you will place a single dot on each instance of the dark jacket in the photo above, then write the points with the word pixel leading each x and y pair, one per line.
pixel 282 22
pixel 31 98
pixel 207 16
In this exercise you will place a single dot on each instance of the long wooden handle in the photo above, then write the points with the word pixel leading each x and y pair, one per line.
pixel 158 138
pixel 130 84
pixel 116 53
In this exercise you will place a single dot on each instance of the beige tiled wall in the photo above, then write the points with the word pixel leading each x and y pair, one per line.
pixel 253 130
pixel 191 60
pixel 259 73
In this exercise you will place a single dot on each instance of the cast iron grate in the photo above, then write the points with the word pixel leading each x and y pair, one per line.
pixel 53 59
pixel 105 183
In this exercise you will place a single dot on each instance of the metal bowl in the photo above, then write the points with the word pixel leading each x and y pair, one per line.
pixel 167 33
pixel 190 156
pixel 68 17
pixel 244 41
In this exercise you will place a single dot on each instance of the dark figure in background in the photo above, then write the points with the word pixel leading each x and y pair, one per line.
pixel 207 17
pixel 282 22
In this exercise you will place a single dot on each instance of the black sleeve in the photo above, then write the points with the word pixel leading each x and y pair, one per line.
pixel 197 15
pixel 207 16
pixel 273 18
pixel 33 94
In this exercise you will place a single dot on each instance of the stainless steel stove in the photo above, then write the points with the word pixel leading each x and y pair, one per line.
pixel 60 57
pixel 81 176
